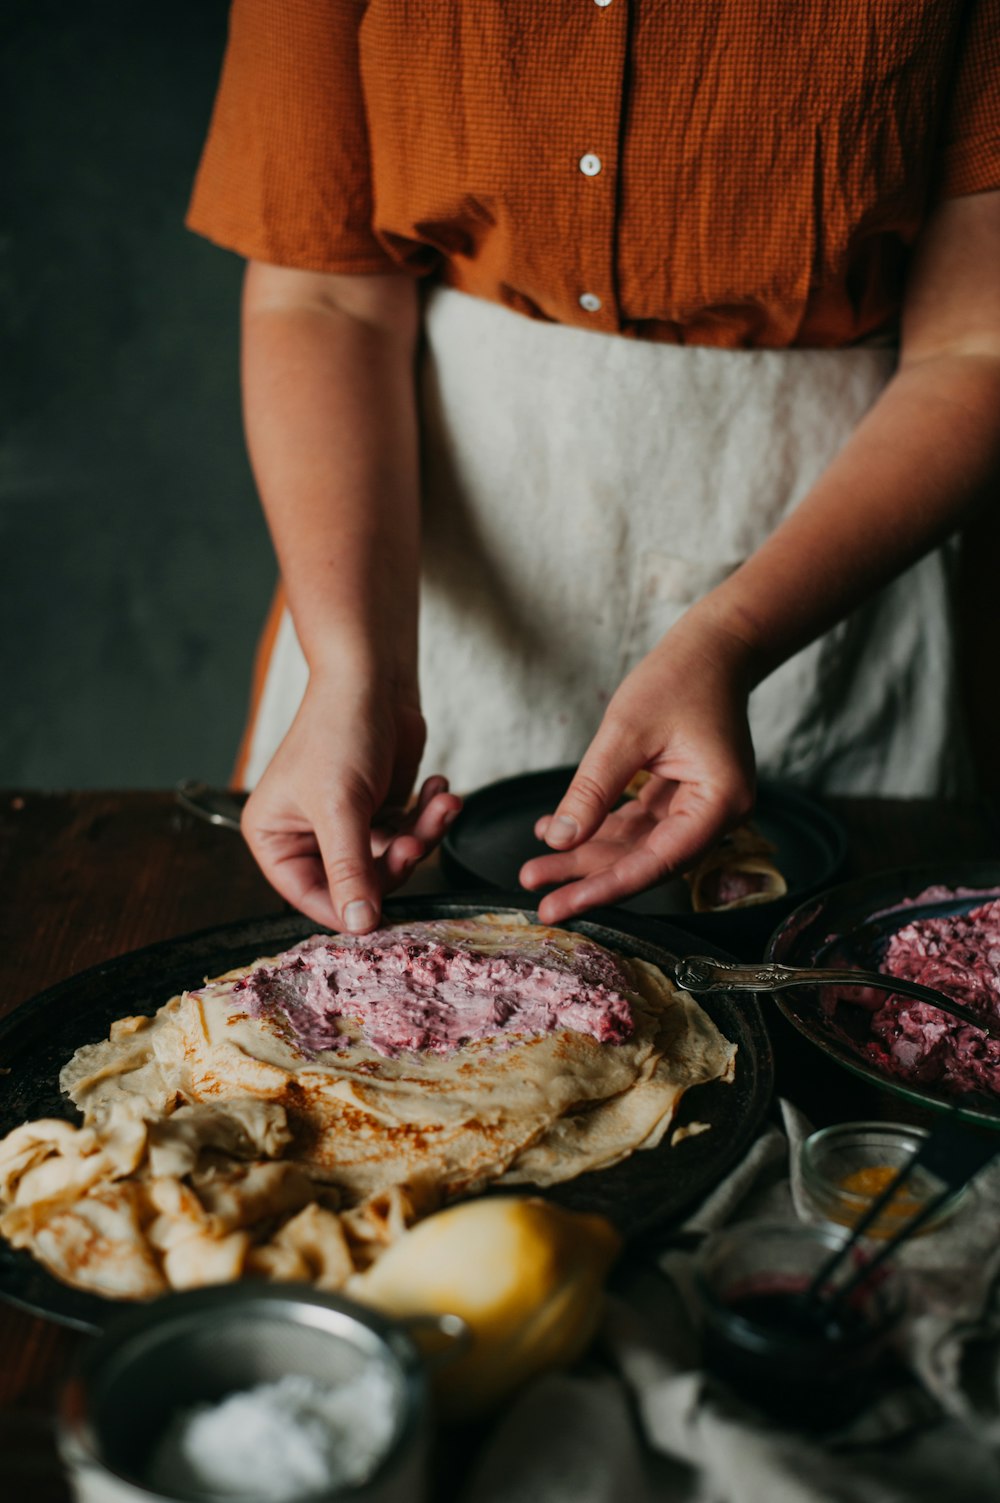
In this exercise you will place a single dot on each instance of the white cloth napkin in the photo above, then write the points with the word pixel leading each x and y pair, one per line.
pixel 641 1423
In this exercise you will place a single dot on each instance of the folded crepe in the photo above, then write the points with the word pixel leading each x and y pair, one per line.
pixel 738 872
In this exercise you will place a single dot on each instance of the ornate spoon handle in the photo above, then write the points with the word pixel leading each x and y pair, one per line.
pixel 698 973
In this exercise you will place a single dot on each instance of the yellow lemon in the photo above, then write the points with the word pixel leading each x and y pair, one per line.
pixel 526 1276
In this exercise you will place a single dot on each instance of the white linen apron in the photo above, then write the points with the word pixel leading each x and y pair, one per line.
pixel 581 490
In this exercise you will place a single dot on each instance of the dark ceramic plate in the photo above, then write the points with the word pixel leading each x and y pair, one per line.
pixel 494 835
pixel 651 1189
pixel 852 924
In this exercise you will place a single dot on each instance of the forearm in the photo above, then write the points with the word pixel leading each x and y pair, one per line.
pixel 920 463
pixel 923 460
pixel 330 414
pixel 926 456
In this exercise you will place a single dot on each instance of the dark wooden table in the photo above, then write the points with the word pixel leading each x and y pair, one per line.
pixel 87 876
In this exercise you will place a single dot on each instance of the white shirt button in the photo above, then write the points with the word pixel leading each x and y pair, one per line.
pixel 590 165
pixel 590 302
pixel 602 2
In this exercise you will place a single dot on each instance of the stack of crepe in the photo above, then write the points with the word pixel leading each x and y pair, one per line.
pixel 212 1147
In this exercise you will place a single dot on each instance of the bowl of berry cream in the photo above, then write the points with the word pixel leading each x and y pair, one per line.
pixel 271 1393
pixel 939 926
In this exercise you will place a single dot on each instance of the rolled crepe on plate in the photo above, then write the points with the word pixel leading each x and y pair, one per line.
pixel 738 872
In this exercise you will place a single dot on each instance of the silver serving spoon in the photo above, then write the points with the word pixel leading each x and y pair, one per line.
pixel 699 973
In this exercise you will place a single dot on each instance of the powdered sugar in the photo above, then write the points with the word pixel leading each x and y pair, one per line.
pixel 280 1441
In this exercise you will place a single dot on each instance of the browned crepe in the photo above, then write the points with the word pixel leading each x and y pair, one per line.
pixel 208 1135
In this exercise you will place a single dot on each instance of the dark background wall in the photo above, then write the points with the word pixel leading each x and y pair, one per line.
pixel 135 564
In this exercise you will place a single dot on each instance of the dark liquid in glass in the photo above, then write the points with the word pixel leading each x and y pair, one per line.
pixel 802 1362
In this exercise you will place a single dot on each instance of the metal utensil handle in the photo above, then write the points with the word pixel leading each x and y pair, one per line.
pixel 217 806
pixel 440 1339
pixel 698 973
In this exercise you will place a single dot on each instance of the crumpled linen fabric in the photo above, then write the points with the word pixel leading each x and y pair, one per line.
pixel 641 1421
pixel 580 492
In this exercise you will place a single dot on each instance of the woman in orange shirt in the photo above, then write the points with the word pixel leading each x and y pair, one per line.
pixel 678 338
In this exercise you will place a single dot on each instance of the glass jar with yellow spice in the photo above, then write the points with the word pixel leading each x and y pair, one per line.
pixel 846 1167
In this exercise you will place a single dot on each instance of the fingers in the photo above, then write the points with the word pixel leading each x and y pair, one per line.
pixel 624 829
pixel 397 861
pixel 351 875
pixel 337 872
pixel 327 872
pixel 433 812
pixel 597 784
pixel 394 817
pixel 560 866
pixel 631 874
pixel 294 868
pixel 640 844
pixel 429 789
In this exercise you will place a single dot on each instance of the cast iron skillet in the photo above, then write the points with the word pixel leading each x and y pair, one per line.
pixel 651 1189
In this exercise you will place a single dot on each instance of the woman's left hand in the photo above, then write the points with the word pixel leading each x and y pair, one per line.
pixel 681 714
pixel 920 462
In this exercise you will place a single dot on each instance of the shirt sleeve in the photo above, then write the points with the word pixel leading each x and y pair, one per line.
pixel 969 159
pixel 284 175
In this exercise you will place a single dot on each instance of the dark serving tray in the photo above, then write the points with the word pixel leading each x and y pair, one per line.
pixel 652 1189
pixel 494 836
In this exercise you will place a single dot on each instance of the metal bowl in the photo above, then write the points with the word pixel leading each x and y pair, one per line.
pixel 197 1348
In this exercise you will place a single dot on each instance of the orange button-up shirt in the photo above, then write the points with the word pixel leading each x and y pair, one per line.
pixel 740 173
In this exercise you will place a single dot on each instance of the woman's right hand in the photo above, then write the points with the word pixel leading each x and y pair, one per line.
pixel 331 417
pixel 328 823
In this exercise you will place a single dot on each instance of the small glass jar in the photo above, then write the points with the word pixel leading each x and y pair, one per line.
pixel 846 1167
pixel 812 1366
